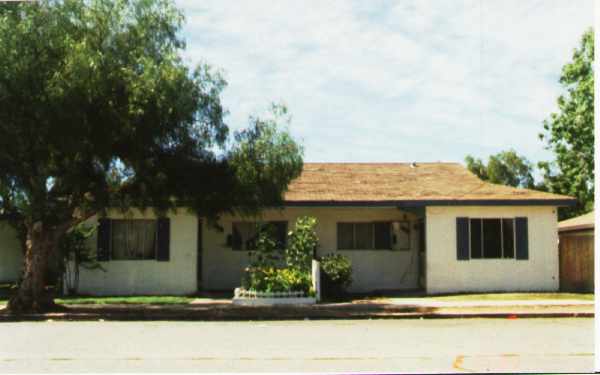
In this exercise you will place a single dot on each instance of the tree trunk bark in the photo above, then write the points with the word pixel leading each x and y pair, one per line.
pixel 32 295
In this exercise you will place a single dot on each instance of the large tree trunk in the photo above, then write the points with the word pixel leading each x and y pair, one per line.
pixel 32 295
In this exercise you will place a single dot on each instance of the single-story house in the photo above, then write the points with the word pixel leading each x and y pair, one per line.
pixel 433 227
pixel 576 253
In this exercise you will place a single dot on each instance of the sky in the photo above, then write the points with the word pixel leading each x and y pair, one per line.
pixel 392 81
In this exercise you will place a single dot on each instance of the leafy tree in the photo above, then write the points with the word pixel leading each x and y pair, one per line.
pixel 506 168
pixel 569 133
pixel 98 110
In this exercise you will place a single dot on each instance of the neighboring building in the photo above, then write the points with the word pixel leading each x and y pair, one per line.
pixel 576 246
pixel 405 226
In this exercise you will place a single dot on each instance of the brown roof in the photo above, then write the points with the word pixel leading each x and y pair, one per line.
pixel 405 183
pixel 585 221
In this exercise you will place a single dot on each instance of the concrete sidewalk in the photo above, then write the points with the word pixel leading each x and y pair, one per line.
pixel 489 303
pixel 393 308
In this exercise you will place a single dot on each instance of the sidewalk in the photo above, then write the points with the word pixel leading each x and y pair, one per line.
pixel 390 308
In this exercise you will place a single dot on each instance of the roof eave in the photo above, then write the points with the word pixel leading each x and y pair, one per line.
pixel 575 228
pixel 437 202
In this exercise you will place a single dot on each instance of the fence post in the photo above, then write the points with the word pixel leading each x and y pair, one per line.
pixel 316 279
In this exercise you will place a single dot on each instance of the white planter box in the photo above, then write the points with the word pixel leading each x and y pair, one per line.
pixel 252 298
pixel 243 301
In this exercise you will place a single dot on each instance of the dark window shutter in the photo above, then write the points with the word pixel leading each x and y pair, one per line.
pixel 163 240
pixel 522 238
pixel 462 238
pixel 103 243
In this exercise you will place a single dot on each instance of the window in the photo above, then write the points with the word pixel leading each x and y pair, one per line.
pixel 364 236
pixel 492 238
pixel 133 239
pixel 345 234
pixel 245 233
pixel 383 235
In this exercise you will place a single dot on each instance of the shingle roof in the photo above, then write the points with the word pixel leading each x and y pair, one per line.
pixel 405 184
pixel 585 221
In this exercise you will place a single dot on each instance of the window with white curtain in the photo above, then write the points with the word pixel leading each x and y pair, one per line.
pixel 133 239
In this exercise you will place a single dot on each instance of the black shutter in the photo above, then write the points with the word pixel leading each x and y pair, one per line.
pixel 103 242
pixel 462 238
pixel 522 238
pixel 163 240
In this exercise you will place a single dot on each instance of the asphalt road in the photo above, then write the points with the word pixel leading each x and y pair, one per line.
pixel 500 345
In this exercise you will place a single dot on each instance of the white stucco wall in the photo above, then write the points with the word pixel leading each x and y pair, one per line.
pixel 128 277
pixel 445 274
pixel 222 267
pixel 11 254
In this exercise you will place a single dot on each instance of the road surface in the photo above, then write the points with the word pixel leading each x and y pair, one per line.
pixel 442 345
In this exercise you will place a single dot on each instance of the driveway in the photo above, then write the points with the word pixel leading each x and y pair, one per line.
pixel 440 345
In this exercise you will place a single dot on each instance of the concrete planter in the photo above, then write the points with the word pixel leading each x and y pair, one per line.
pixel 253 298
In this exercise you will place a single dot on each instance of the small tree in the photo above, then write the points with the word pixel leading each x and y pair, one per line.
pixel 267 253
pixel 302 244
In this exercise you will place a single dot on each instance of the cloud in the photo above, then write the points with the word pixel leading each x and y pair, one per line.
pixel 385 80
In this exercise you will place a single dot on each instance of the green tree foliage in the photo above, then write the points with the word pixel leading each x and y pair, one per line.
pixel 302 244
pixel 98 110
pixel 569 133
pixel 267 254
pixel 506 168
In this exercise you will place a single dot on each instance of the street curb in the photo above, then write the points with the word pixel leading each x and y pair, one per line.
pixel 321 315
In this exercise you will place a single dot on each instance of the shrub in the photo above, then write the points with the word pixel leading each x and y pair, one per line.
pixel 336 275
pixel 74 251
pixel 276 280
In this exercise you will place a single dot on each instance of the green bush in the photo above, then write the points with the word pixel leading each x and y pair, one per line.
pixel 271 279
pixel 336 275
pixel 74 251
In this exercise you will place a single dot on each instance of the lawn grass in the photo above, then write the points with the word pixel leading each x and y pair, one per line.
pixel 127 300
pixel 5 291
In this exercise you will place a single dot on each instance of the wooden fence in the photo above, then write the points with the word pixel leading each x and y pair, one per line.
pixel 576 251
